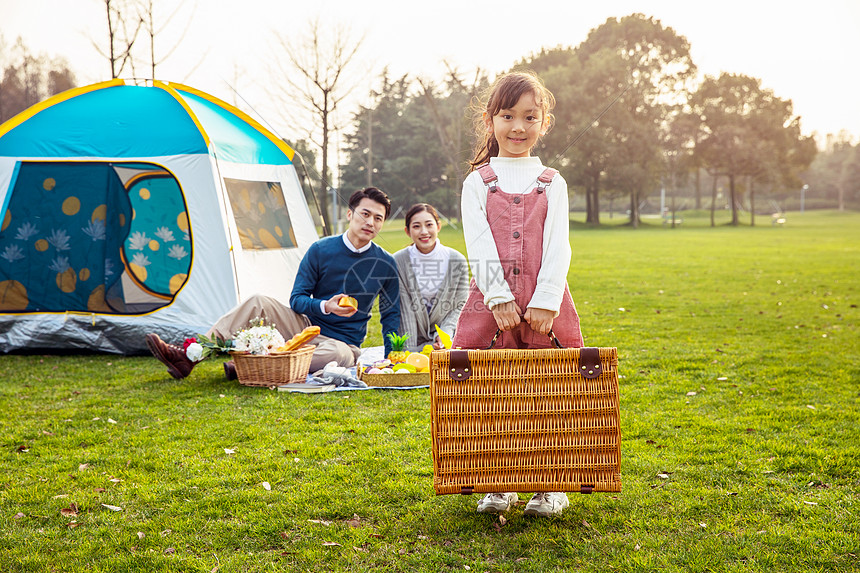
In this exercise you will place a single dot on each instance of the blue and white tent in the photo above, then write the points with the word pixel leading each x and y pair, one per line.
pixel 129 209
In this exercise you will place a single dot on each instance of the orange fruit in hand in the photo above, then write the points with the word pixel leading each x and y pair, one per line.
pixel 348 301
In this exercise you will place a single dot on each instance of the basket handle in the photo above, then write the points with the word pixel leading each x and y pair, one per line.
pixel 551 335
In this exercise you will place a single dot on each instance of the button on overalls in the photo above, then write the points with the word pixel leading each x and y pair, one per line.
pixel 517 223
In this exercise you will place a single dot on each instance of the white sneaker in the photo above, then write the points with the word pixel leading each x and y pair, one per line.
pixel 545 504
pixel 496 502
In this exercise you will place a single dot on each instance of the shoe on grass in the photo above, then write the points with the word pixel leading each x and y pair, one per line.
pixel 496 502
pixel 172 356
pixel 230 370
pixel 544 504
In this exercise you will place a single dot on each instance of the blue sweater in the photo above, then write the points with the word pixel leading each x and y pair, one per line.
pixel 329 268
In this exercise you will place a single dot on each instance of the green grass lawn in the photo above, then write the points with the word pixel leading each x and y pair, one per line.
pixel 739 353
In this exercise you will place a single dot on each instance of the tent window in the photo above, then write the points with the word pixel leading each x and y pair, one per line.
pixel 93 237
pixel 261 214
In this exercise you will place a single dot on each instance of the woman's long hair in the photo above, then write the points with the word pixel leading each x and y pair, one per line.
pixel 505 92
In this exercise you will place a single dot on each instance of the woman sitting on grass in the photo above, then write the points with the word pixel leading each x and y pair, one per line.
pixel 433 281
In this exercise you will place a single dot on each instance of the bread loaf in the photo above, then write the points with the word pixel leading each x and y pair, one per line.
pixel 301 338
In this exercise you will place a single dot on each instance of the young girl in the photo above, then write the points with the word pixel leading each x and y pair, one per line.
pixel 433 281
pixel 515 222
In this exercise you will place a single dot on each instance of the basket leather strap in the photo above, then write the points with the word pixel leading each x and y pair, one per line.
pixel 589 362
pixel 459 365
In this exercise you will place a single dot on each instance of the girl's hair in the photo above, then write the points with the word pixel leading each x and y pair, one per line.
pixel 505 92
pixel 420 208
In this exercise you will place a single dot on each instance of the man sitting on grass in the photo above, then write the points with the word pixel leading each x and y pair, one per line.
pixel 334 267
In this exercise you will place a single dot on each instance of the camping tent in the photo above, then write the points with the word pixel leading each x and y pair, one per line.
pixel 129 209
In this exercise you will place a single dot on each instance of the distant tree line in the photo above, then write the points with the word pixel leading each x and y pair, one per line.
pixel 27 79
pixel 631 120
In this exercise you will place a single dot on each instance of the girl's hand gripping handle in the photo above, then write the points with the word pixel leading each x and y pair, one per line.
pixel 507 315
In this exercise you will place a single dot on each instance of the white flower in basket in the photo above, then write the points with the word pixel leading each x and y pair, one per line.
pixel 258 340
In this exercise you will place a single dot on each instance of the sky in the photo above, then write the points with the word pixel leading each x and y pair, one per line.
pixel 803 51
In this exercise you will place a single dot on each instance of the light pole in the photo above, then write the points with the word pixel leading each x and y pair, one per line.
pixel 803 196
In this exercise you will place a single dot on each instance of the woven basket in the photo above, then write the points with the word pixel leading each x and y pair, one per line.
pixel 268 370
pixel 525 421
pixel 394 380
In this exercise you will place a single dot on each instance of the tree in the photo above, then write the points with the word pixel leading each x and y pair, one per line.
pixel 835 173
pixel 321 57
pixel 26 79
pixel 640 69
pixel 748 131
pixel 122 30
pixel 154 27
pixel 396 130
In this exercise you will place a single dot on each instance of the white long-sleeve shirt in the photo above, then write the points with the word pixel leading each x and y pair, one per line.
pixel 517 176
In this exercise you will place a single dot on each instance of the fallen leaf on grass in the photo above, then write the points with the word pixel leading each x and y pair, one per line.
pixel 810 406
pixel 663 476
pixel 18 515
pixel 285 534
pixel 723 378
pixel 331 544
pixel 810 503
pixel 502 520
pixel 169 551
pixel 82 467
pixel 141 535
pixel 497 527
pixel 377 536
pixel 99 489
pixel 111 421
pixel 115 480
pixel 112 507
pixel 266 486
pixel 703 525
pixel 355 521
pixel 70 511
pixel 73 524
pixel 228 451
pixel 61 496
pixel 23 449
pixel 320 521
pixel 691 393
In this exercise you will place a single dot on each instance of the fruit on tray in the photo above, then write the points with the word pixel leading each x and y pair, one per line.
pixel 420 361
pixel 348 301
pixel 398 347
pixel 384 363
pixel 404 367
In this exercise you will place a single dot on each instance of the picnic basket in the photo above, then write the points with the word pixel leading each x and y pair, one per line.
pixel 525 420
pixel 265 370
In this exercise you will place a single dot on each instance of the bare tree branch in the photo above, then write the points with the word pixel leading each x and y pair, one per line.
pixel 320 57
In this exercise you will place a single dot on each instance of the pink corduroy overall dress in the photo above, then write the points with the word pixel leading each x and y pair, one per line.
pixel 517 223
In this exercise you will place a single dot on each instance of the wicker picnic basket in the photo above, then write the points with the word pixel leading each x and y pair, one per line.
pixel 525 420
pixel 268 370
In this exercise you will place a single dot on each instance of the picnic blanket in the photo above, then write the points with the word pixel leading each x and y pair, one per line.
pixel 347 380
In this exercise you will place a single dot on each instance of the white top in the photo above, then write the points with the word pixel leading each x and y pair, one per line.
pixel 517 175
pixel 430 270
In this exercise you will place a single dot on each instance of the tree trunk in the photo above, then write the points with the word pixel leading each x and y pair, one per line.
pixel 713 200
pixel 327 228
pixel 634 209
pixel 733 200
pixel 752 204
pixel 592 201
pixel 698 188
